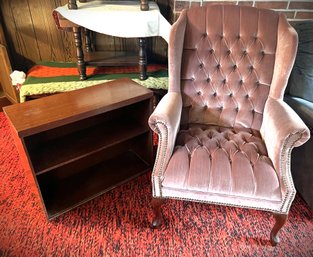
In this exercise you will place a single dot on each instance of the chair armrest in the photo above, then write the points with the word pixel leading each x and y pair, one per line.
pixel 165 121
pixel 282 130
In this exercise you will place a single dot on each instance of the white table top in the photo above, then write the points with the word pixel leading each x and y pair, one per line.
pixel 119 18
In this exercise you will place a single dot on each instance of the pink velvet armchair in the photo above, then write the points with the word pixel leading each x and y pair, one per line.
pixel 225 134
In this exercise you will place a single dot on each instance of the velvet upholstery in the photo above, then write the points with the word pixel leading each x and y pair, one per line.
pixel 225 134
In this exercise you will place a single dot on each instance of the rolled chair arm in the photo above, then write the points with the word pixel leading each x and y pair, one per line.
pixel 282 130
pixel 165 121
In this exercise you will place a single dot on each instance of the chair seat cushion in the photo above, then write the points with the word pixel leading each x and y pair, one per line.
pixel 222 161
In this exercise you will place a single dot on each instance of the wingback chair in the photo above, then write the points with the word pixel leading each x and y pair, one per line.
pixel 225 134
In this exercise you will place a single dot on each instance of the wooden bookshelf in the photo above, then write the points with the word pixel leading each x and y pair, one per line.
pixel 79 144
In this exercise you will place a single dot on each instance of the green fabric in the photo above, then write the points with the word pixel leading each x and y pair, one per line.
pixel 37 86
pixel 39 80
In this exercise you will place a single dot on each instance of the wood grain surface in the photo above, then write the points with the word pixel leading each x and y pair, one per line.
pixel 32 35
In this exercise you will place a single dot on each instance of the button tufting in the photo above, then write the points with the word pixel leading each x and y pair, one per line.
pixel 204 34
pixel 235 67
pixel 214 94
pixel 199 93
pixel 205 107
pixel 208 80
pixel 247 96
pixel 244 52
pixel 211 51
pixel 221 108
pixel 192 79
pixel 224 81
pixel 218 66
pixel 237 109
pixel 231 95
pixel 240 82
pixel 201 65
pixel 257 83
pixel 238 37
pixel 253 111
pixel 228 52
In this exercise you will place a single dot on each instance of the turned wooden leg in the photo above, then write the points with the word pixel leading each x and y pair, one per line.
pixel 156 206
pixel 142 59
pixel 88 39
pixel 72 4
pixel 144 6
pixel 280 220
pixel 79 53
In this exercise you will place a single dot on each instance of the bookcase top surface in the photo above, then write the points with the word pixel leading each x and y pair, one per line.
pixel 60 109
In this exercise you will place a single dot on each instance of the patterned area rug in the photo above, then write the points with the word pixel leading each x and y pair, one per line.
pixel 118 222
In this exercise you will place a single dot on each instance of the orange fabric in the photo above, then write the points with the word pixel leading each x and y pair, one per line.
pixel 46 71
pixel 42 71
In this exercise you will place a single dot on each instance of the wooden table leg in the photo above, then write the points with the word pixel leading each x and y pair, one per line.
pixel 72 4
pixel 89 41
pixel 142 59
pixel 144 6
pixel 79 53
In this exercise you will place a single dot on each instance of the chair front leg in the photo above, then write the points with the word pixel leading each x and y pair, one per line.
pixel 280 220
pixel 156 206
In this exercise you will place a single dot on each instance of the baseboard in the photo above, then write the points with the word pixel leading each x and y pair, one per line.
pixel 4 102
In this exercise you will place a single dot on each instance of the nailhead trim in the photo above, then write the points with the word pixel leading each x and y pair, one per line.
pixel 285 157
pixel 160 151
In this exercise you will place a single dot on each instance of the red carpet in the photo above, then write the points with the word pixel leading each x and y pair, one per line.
pixel 117 223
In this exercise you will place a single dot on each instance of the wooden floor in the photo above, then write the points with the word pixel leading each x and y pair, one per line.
pixel 4 102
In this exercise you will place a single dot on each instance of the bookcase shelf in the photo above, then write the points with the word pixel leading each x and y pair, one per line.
pixel 62 193
pixel 50 154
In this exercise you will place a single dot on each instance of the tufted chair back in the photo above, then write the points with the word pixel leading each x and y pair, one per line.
pixel 228 58
pixel 225 133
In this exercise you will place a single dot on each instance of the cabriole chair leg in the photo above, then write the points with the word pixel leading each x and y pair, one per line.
pixel 280 220
pixel 156 206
